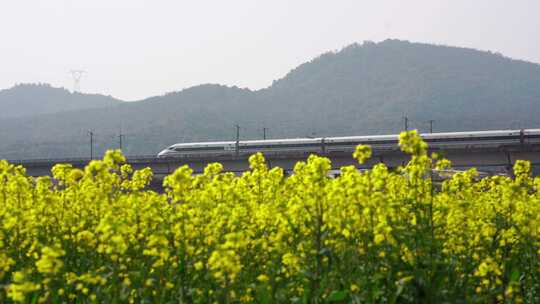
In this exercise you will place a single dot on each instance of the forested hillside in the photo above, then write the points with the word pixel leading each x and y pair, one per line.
pixel 34 99
pixel 362 89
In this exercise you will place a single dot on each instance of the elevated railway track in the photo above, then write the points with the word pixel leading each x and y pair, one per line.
pixel 492 159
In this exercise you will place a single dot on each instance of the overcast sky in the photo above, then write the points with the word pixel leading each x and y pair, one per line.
pixel 133 49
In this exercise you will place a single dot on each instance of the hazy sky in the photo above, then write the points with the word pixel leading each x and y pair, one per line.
pixel 133 49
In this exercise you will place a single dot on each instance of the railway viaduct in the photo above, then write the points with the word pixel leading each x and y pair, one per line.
pixel 488 159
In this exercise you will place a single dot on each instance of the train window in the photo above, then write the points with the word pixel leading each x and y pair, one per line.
pixel 468 138
pixel 281 146
pixel 429 140
pixel 374 142
pixel 185 149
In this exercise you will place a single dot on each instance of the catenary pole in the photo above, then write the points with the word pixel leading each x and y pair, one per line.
pixel 91 133
pixel 237 140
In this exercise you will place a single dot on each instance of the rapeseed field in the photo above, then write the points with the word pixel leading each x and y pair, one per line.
pixel 99 235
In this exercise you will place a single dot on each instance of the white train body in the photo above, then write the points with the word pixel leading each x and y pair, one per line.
pixel 448 140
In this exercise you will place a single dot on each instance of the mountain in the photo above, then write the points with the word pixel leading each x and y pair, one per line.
pixel 362 89
pixel 35 99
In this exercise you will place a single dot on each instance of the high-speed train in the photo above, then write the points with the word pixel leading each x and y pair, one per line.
pixel 476 139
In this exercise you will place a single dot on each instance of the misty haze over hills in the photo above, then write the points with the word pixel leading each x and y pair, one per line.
pixel 34 99
pixel 360 90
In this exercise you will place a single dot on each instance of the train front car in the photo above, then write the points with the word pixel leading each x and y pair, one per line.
pixel 200 149
pixel 164 153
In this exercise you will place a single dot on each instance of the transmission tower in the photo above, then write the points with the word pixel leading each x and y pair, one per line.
pixel 77 76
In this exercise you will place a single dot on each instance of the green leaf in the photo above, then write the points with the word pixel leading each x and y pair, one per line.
pixel 264 296
pixel 514 276
pixel 337 296
pixel 306 297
